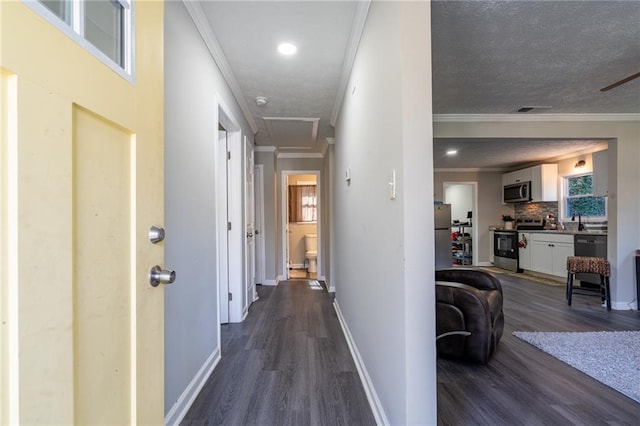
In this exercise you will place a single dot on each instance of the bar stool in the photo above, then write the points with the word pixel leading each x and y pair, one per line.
pixel 593 265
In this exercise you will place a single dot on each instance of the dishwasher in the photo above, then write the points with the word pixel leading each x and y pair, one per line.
pixel 589 245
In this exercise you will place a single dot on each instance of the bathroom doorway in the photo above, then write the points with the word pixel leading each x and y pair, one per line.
pixel 463 197
pixel 301 216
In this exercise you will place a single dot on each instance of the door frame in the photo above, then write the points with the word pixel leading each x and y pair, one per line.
pixel 258 186
pixel 229 209
pixel 285 219
pixel 474 229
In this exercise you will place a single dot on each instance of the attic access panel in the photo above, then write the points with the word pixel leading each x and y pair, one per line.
pixel 293 132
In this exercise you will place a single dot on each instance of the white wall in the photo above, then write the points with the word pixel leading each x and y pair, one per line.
pixel 623 179
pixel 460 196
pixel 191 312
pixel 384 254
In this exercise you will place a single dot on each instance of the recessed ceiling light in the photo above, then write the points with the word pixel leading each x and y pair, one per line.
pixel 452 152
pixel 287 49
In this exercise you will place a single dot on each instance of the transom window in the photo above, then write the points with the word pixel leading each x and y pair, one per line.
pixel 103 27
pixel 578 197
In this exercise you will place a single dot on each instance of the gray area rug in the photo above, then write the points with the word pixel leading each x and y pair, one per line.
pixel 612 358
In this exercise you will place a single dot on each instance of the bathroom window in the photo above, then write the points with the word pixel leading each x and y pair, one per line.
pixel 303 203
pixel 579 198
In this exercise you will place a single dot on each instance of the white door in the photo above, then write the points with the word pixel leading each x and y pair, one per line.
pixel 223 256
pixel 82 183
pixel 258 233
pixel 249 220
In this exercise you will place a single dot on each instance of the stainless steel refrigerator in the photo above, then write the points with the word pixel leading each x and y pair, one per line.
pixel 442 219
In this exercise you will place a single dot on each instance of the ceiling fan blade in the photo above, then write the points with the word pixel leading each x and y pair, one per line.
pixel 618 83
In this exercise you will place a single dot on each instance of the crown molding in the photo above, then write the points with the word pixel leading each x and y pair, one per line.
pixel 357 28
pixel 476 118
pixel 331 141
pixel 199 19
pixel 300 155
pixel 265 149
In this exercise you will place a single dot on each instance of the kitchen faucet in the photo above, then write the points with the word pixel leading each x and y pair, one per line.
pixel 580 224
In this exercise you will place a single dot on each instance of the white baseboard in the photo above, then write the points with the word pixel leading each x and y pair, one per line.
pixel 270 282
pixel 372 395
pixel 330 287
pixel 296 266
pixel 623 306
pixel 182 405
pixel 280 278
pixel 484 264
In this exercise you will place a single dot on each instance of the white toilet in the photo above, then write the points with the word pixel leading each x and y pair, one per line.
pixel 311 252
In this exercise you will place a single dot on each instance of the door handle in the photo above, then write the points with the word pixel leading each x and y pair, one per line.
pixel 157 276
pixel 249 234
pixel 257 232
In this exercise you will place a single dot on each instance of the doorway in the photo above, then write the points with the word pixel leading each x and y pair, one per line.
pixel 302 224
pixel 230 241
pixel 223 209
pixel 463 197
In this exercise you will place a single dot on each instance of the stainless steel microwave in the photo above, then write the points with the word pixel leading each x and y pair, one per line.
pixel 517 192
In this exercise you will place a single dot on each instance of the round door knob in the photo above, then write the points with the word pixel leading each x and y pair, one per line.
pixel 156 234
pixel 249 234
pixel 157 276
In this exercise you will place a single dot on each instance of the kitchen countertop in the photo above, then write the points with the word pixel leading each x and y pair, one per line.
pixel 564 231
pixel 551 231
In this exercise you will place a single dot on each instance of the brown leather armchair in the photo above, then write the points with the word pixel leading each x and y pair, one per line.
pixel 468 300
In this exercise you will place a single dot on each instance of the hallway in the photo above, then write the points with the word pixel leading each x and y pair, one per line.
pixel 287 363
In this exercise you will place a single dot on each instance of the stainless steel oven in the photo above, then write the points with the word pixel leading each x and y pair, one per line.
pixel 505 249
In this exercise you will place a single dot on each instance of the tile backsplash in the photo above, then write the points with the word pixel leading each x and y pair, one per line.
pixel 536 210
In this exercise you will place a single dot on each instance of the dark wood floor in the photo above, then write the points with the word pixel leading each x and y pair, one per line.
pixel 287 364
pixel 524 386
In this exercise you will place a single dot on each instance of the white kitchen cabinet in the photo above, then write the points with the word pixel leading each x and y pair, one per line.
pixel 543 178
pixel 518 176
pixel 549 253
pixel 560 253
pixel 544 183
pixel 524 250
pixel 600 161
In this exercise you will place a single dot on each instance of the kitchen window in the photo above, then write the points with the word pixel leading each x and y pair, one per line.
pixel 102 27
pixel 578 198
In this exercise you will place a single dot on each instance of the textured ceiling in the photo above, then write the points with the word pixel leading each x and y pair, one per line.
pixel 494 57
pixel 506 154
pixel 489 57
pixel 301 86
